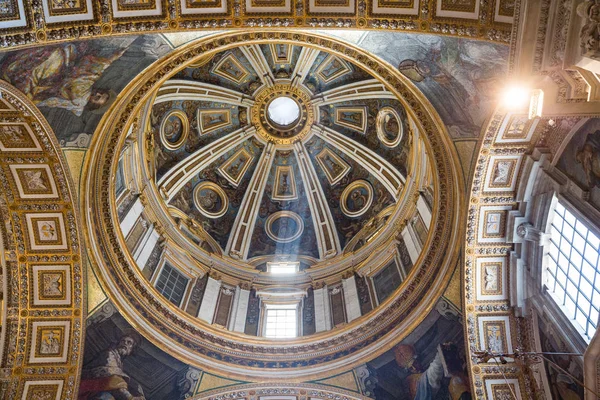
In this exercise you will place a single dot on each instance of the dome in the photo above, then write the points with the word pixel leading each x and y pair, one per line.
pixel 300 173
pixel 272 175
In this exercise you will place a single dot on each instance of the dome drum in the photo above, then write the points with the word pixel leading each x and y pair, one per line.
pixel 322 199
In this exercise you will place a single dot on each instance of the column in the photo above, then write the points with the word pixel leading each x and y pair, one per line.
pixel 351 298
pixel 132 215
pixel 322 310
pixel 209 301
pixel 239 310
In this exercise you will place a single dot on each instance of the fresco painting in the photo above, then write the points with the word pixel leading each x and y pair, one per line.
pixel 429 364
pixel 74 84
pixel 120 364
pixel 461 78
pixel 580 160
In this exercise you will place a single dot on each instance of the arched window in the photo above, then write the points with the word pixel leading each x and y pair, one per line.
pixel 572 269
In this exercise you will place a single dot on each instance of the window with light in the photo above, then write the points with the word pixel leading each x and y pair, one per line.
pixel 572 270
pixel 283 267
pixel 281 322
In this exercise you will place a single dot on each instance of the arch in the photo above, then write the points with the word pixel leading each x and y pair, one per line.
pixel 44 279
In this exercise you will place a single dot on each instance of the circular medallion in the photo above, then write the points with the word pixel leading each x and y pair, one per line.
pixel 174 130
pixel 356 198
pixel 284 226
pixel 272 104
pixel 389 127
pixel 210 200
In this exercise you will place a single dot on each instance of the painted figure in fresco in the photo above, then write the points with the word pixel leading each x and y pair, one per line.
pixel 232 70
pixel 104 379
pixel 334 167
pixel 589 158
pixel 334 67
pixel 44 80
pixel 431 383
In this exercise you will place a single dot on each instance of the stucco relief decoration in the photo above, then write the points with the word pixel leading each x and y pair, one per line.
pixel 590 32
pixel 40 237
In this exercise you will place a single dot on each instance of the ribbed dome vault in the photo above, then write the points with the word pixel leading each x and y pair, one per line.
pixel 247 152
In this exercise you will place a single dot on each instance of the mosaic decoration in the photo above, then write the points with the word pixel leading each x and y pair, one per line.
pixel 94 18
pixel 42 256
pixel 352 117
pixel 50 342
pixel 390 129
pixel 210 200
pixel 333 166
pixel 211 120
pixel 356 198
pixel 236 166
pixel 51 285
pixel 231 68
pixel 46 231
pixel 492 224
pixel 67 10
pixel 332 68
pixel 285 184
pixel 130 8
pixel 284 226
pixel 488 278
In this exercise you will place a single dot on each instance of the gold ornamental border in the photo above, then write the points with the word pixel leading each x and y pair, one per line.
pixel 26 309
pixel 298 129
pixel 253 358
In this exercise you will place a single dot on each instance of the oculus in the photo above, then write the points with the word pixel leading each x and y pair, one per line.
pixel 389 127
pixel 283 111
pixel 356 198
pixel 284 103
pixel 210 200
pixel 174 130
pixel 284 226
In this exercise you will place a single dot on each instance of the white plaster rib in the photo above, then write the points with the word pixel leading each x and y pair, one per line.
pixel 303 65
pixel 192 90
pixel 369 89
pixel 241 233
pixel 256 58
pixel 320 212
pixel 389 176
pixel 198 161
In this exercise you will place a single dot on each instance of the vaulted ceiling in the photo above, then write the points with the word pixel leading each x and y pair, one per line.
pixel 266 192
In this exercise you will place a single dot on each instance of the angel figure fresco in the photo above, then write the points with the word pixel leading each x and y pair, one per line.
pixel 60 76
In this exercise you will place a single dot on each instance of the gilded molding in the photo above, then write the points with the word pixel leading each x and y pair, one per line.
pixel 42 328
pixel 255 358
